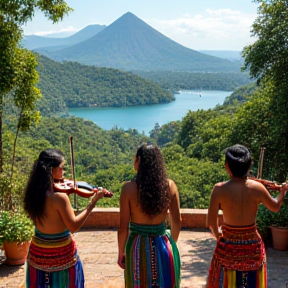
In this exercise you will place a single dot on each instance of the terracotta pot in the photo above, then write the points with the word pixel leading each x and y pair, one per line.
pixel 280 237
pixel 16 253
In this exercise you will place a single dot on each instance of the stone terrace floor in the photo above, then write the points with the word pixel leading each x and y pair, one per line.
pixel 98 252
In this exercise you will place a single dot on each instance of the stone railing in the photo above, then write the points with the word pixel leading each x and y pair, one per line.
pixel 110 218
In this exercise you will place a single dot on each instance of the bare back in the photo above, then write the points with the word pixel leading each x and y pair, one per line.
pixel 130 210
pixel 136 213
pixel 53 222
pixel 239 198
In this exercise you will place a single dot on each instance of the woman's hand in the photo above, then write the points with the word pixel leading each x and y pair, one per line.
pixel 121 261
pixel 98 195
pixel 284 188
pixel 105 191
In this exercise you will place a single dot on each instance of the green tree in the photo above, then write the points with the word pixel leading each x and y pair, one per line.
pixel 268 56
pixel 155 131
pixel 14 14
pixel 267 60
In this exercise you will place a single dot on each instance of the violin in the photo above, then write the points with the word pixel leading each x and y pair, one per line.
pixel 82 189
pixel 270 185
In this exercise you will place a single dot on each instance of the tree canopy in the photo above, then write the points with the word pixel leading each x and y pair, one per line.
pixel 268 56
pixel 18 75
pixel 267 61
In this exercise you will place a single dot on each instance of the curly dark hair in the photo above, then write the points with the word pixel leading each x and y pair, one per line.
pixel 151 180
pixel 40 182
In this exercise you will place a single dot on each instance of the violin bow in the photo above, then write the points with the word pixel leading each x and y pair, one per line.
pixel 73 169
pixel 260 165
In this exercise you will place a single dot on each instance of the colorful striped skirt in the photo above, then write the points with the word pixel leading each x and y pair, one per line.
pixel 53 262
pixel 152 258
pixel 239 259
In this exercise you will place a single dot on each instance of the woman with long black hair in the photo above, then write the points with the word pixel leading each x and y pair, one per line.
pixel 53 260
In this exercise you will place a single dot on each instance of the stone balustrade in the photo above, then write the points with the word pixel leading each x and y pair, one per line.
pixel 110 218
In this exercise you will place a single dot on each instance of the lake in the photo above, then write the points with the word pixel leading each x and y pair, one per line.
pixel 143 118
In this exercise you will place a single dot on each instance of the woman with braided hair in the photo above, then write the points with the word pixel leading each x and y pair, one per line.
pixel 53 260
pixel 147 251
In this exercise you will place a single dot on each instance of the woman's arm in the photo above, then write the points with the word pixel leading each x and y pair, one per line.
pixel 267 200
pixel 174 211
pixel 74 223
pixel 123 230
pixel 213 209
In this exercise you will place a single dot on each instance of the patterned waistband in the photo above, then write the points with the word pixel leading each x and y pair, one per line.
pixel 142 229
pixel 240 248
pixel 52 252
pixel 240 232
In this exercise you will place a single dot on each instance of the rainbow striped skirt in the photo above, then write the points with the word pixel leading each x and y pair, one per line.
pixel 152 258
pixel 239 259
pixel 53 262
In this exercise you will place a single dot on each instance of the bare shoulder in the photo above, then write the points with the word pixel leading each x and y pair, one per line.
pixel 129 187
pixel 218 187
pixel 59 198
pixel 171 183
pixel 255 184
pixel 172 187
pixel 258 188
pixel 219 190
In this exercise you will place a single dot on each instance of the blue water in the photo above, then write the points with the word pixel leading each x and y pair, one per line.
pixel 144 118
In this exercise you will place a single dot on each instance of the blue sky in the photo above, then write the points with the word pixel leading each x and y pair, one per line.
pixel 196 24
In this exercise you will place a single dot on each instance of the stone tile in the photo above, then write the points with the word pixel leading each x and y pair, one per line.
pixel 98 252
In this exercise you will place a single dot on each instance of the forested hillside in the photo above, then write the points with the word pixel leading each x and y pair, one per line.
pixel 192 148
pixel 196 81
pixel 71 84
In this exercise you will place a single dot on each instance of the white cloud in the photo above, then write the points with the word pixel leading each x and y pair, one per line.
pixel 68 30
pixel 213 26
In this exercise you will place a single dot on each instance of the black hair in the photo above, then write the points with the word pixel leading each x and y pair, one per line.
pixel 40 182
pixel 239 160
pixel 151 179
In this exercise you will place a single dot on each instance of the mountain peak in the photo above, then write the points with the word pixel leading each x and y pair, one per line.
pixel 128 14
pixel 127 19
pixel 129 43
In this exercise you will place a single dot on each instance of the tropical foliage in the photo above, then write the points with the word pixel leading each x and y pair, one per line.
pixel 18 75
pixel 193 148
pixel 176 81
pixel 71 84
pixel 15 227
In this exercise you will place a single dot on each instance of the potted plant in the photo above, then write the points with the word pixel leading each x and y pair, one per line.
pixel 277 222
pixel 16 232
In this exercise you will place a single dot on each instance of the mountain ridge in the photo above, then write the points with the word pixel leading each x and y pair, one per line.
pixel 131 44
pixel 32 42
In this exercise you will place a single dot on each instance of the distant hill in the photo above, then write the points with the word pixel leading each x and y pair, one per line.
pixel 32 42
pixel 72 84
pixel 131 44
pixel 175 81
pixel 224 54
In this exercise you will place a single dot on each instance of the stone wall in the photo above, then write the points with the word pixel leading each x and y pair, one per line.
pixel 110 218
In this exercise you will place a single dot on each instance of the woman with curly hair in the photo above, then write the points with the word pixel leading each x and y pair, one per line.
pixel 147 251
pixel 53 260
